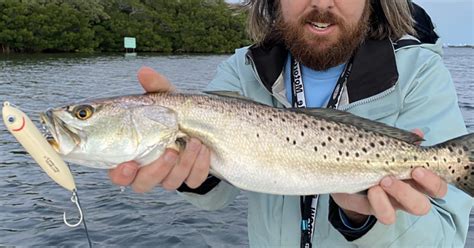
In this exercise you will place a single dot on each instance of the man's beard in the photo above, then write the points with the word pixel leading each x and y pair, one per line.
pixel 317 52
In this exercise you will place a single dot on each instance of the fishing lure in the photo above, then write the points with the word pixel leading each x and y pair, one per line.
pixel 23 129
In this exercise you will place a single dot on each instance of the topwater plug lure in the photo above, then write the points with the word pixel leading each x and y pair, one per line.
pixel 23 129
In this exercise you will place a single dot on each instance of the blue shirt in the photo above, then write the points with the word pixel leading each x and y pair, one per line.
pixel 318 85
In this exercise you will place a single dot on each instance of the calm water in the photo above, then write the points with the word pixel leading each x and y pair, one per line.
pixel 31 204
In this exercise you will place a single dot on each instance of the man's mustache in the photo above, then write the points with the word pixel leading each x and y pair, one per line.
pixel 317 15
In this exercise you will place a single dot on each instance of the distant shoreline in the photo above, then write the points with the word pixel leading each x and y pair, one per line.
pixel 464 46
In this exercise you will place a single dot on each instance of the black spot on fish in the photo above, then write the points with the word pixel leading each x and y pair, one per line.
pixel 322 128
pixel 357 154
pixel 450 149
pixel 415 158
pixel 283 119
pixel 329 138
pixel 465 148
pixel 372 144
pixel 294 142
pixel 337 159
pixel 460 152
pixel 271 119
pixel 347 154
pixel 450 167
pixel 386 162
pixel 381 143
pixel 340 152
pixel 341 140
pixel 361 136
pixel 302 133
pixel 258 135
pixel 466 177
pixel 458 179
pixel 351 139
pixel 323 144
pixel 435 158
pixel 364 149
pixel 250 113
pixel 336 129
pixel 427 164
pixel 472 172
pixel 368 161
pixel 411 167
pixel 459 160
pixel 444 159
pixel 288 139
pixel 393 159
pixel 325 156
pixel 377 155
pixel 405 159
pixel 315 148
pixel 466 167
pixel 453 171
pixel 305 126
pixel 328 127
pixel 453 144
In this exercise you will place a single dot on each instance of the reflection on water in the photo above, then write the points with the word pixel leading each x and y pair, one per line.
pixel 31 205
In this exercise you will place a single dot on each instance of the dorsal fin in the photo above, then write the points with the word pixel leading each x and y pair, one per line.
pixel 231 94
pixel 366 124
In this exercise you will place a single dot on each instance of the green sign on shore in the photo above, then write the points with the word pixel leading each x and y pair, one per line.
pixel 129 42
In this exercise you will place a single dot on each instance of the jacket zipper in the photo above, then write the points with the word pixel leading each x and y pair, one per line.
pixel 254 69
pixel 368 99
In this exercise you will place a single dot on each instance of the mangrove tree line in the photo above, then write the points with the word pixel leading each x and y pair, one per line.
pixel 191 26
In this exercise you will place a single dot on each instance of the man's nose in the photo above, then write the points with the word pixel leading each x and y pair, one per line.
pixel 323 4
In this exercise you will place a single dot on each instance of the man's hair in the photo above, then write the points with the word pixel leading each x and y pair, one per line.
pixel 388 19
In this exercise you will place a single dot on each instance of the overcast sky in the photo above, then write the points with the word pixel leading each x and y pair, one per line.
pixel 454 19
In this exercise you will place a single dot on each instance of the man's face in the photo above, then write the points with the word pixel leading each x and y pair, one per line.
pixel 322 33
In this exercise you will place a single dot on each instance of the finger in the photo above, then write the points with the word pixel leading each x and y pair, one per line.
pixel 152 81
pixel 124 173
pixel 418 132
pixel 200 170
pixel 381 206
pixel 153 174
pixel 353 202
pixel 413 201
pixel 186 161
pixel 434 185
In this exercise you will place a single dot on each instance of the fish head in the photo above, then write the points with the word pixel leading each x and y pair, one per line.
pixel 104 133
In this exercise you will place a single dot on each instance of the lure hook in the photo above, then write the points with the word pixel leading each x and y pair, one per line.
pixel 75 201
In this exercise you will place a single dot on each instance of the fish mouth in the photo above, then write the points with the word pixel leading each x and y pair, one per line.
pixel 57 133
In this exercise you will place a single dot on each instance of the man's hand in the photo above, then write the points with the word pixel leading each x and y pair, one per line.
pixel 392 194
pixel 171 169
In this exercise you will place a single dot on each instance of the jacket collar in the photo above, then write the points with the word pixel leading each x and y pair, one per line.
pixel 374 69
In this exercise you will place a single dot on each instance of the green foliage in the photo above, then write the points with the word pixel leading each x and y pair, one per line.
pixel 188 26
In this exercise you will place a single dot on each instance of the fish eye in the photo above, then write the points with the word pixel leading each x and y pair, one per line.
pixel 83 112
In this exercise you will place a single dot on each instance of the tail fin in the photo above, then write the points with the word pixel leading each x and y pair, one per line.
pixel 464 147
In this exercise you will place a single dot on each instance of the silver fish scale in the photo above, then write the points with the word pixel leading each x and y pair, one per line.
pixel 270 150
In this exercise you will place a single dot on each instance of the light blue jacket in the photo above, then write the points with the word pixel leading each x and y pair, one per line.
pixel 418 93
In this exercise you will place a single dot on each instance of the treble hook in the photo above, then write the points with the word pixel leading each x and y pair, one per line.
pixel 75 201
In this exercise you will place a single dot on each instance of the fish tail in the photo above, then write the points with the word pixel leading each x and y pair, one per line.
pixel 464 148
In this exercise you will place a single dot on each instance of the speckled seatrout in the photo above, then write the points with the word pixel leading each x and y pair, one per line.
pixel 255 147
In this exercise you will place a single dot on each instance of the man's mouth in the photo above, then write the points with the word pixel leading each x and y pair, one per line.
pixel 320 25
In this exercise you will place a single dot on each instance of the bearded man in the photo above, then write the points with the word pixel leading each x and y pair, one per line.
pixel 361 56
